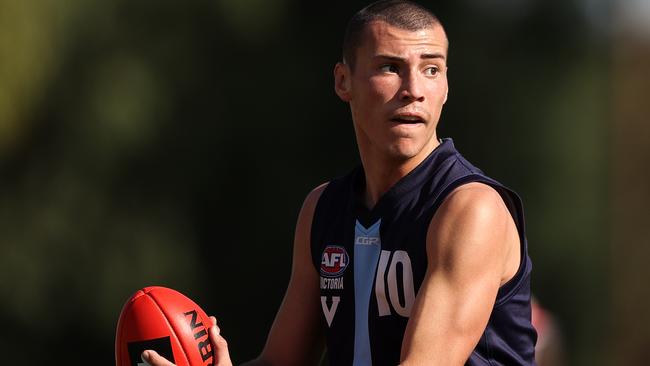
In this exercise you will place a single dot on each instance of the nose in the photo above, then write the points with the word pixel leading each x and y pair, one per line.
pixel 412 88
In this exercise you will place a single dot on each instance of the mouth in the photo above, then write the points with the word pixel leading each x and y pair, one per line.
pixel 407 118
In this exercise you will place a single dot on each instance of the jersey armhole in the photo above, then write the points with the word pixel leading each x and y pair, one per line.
pixel 511 287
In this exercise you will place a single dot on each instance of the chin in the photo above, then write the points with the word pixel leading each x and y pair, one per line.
pixel 401 152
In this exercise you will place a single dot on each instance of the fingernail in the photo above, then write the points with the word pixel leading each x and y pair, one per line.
pixel 146 356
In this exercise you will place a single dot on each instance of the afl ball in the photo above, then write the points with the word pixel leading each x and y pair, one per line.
pixel 166 321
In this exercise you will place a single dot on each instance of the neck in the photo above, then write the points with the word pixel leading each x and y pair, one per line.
pixel 383 172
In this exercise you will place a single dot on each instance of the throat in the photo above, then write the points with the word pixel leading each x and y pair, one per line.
pixel 378 183
pixel 382 174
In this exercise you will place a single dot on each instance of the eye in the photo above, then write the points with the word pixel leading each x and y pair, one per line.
pixel 389 68
pixel 431 71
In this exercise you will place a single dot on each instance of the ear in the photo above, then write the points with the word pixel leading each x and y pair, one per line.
pixel 342 82
pixel 447 91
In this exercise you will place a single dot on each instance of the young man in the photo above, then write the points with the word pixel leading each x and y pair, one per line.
pixel 416 257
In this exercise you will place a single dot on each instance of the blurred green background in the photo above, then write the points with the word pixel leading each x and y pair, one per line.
pixel 172 143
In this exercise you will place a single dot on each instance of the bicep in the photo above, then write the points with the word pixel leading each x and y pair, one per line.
pixel 466 248
pixel 296 337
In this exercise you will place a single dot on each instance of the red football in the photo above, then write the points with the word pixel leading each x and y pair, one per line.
pixel 166 321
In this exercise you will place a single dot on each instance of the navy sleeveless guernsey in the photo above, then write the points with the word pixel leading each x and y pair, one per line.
pixel 372 263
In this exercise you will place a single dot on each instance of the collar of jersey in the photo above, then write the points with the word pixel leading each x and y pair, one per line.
pixel 414 179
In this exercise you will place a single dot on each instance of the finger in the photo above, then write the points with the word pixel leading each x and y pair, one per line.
pixel 214 325
pixel 220 348
pixel 154 359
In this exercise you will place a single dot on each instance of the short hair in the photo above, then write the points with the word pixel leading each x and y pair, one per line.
pixel 398 13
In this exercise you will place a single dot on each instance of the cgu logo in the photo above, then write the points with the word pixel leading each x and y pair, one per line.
pixel 367 240
pixel 334 261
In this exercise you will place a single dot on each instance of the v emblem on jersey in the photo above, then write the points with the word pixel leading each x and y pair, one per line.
pixel 331 310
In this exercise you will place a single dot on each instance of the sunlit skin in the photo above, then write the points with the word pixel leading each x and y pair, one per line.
pixel 396 92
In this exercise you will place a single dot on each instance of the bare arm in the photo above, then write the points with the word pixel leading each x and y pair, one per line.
pixel 296 337
pixel 472 249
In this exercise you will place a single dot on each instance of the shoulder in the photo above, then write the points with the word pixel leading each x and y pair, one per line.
pixel 302 235
pixel 472 200
pixel 309 205
pixel 472 220
pixel 313 196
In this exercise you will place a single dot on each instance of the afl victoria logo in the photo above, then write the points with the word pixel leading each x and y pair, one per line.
pixel 334 261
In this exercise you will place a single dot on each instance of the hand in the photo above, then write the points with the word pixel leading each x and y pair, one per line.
pixel 219 349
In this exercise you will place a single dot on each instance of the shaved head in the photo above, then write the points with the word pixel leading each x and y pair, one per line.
pixel 398 13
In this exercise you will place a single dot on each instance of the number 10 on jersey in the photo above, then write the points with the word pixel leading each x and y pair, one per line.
pixel 390 283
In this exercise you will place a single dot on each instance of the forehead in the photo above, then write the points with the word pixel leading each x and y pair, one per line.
pixel 381 37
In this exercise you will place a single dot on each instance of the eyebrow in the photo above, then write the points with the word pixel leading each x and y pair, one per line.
pixel 401 59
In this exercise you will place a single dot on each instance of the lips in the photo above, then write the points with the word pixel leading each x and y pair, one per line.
pixel 407 118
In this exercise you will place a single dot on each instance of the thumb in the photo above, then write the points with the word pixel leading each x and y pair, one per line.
pixel 151 357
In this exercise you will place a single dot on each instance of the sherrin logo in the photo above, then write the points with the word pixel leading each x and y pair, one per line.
pixel 334 261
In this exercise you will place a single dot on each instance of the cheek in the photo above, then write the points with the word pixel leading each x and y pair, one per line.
pixel 382 88
pixel 437 94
